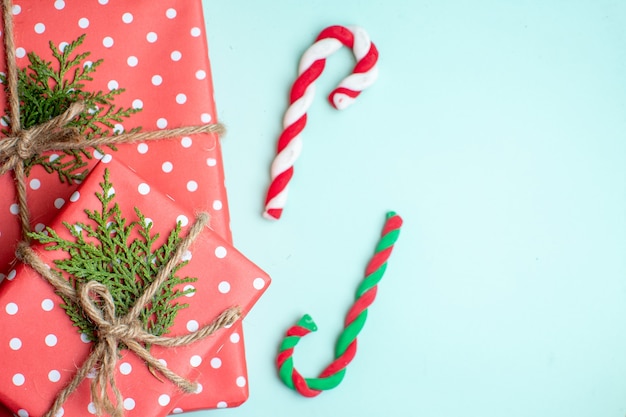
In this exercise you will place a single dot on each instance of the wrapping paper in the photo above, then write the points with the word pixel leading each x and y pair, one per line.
pixel 158 53
pixel 40 349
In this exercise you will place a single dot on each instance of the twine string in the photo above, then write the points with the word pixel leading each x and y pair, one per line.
pixel 94 298
pixel 55 135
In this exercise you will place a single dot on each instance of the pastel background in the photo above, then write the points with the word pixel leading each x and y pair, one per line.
pixel 497 130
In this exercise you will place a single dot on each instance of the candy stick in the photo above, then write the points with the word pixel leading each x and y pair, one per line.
pixel 345 348
pixel 311 66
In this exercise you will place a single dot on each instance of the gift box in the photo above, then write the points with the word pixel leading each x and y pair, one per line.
pixel 158 53
pixel 40 349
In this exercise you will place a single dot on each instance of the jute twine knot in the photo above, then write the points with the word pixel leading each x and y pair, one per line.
pixel 24 145
pixel 112 331
pixel 103 316
pixel 27 143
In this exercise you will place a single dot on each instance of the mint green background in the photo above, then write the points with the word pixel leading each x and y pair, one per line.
pixel 497 130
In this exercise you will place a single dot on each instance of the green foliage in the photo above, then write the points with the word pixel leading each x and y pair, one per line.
pixel 106 251
pixel 47 89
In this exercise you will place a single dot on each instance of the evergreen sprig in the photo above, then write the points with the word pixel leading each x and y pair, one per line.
pixel 47 89
pixel 107 250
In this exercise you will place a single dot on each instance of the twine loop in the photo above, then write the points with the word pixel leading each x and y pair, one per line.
pixel 103 316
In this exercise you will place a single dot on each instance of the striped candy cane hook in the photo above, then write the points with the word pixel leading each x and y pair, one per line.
pixel 345 349
pixel 311 66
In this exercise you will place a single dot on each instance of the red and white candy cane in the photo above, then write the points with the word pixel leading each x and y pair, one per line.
pixel 311 66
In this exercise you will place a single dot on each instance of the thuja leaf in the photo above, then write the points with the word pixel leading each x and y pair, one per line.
pixel 124 256
pixel 46 89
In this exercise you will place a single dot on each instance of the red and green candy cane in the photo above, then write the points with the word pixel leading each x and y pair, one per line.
pixel 345 348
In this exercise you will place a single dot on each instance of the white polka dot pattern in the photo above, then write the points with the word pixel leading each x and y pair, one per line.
pixel 216 363
pixel 224 287
pixel 164 400
pixel 167 167
pixel 18 380
pixel 195 361
pixel 143 188
pixel 54 376
pixel 11 309
pixel 186 142
pixel 15 343
pixel 142 148
pixel 51 340
pixel 192 325
pixel 184 220
pixel 220 252
pixel 47 304
pixel 125 368
pixel 129 404
pixel 169 81
pixel 258 283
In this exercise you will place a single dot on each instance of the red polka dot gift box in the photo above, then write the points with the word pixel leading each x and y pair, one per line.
pixel 44 342
pixel 157 53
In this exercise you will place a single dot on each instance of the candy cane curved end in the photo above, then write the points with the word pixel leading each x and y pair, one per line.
pixel 307 387
pixel 310 68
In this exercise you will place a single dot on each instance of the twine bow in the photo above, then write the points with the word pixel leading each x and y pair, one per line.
pixel 94 298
